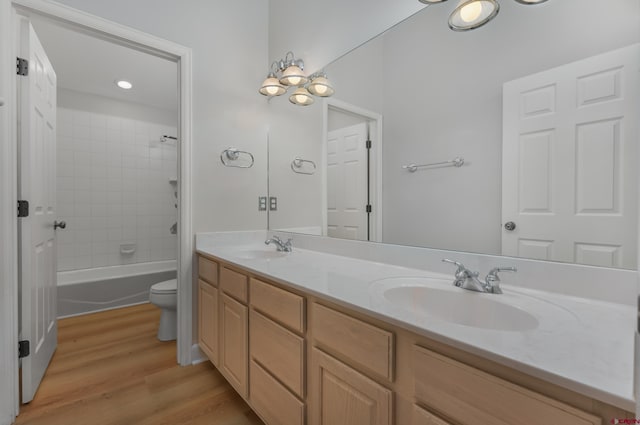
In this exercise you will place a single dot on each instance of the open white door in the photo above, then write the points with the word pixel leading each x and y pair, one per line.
pixel 347 186
pixel 569 162
pixel 37 163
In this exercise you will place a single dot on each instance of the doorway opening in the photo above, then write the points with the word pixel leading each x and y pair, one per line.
pixel 352 204
pixel 105 140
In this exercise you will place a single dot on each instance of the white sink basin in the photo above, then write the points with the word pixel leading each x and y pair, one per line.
pixel 258 254
pixel 439 300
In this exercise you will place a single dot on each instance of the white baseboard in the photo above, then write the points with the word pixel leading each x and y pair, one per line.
pixel 197 356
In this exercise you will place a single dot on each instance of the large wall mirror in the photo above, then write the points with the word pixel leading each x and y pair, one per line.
pixel 531 123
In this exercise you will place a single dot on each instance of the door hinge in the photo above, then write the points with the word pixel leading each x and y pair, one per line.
pixel 368 144
pixel 369 208
pixel 23 209
pixel 24 348
pixel 22 67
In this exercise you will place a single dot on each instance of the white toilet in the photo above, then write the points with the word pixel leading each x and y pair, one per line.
pixel 165 296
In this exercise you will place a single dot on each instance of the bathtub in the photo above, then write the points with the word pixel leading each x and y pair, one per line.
pixel 105 288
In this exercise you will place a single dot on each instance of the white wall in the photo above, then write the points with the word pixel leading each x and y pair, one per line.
pixel 113 182
pixel 293 132
pixel 229 45
pixel 321 32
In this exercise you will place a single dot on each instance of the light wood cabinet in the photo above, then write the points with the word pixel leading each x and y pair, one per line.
pixel 361 343
pixel 279 351
pixel 469 396
pixel 332 365
pixel 234 352
pixel 343 396
pixel 234 284
pixel 284 307
pixel 208 320
pixel 273 402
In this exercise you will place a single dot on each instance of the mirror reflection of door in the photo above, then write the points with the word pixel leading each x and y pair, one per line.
pixel 569 162
pixel 348 199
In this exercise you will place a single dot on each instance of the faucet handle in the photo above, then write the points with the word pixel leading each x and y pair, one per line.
pixel 493 274
pixel 461 267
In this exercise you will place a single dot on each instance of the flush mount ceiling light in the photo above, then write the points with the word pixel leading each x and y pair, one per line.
pixel 289 72
pixel 471 14
pixel 123 84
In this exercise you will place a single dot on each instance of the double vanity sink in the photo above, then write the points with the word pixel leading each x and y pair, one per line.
pixel 435 298
pixel 548 342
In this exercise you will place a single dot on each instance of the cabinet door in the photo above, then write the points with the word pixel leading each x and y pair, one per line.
pixel 208 320
pixel 343 396
pixel 234 355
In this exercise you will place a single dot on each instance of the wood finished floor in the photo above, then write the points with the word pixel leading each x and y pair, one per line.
pixel 109 369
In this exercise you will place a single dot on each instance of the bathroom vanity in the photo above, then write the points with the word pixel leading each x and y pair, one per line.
pixel 312 338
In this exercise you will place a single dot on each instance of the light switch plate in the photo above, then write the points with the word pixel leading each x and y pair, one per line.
pixel 273 203
pixel 262 203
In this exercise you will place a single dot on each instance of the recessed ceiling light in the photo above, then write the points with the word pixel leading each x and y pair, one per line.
pixel 123 84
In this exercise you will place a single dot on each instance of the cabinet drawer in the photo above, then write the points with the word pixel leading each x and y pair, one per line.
pixel 208 270
pixel 422 417
pixel 280 305
pixel 272 401
pixel 278 350
pixel 470 396
pixel 234 284
pixel 362 344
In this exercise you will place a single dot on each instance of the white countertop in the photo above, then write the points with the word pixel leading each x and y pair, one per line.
pixel 581 344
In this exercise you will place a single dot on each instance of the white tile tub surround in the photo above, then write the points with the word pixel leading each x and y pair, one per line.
pixel 572 346
pixel 112 188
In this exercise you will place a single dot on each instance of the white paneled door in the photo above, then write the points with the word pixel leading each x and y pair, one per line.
pixel 37 95
pixel 569 163
pixel 347 185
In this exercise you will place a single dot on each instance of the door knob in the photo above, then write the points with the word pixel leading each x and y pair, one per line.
pixel 60 224
pixel 510 226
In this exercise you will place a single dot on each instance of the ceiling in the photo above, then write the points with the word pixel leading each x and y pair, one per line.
pixel 90 65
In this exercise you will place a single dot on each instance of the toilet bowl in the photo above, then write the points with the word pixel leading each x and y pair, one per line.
pixel 165 296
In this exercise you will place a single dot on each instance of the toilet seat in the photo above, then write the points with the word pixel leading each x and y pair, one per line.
pixel 166 287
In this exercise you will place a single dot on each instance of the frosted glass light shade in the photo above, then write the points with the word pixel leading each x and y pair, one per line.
pixel 301 97
pixel 272 87
pixel 530 1
pixel 320 86
pixel 431 1
pixel 472 14
pixel 293 76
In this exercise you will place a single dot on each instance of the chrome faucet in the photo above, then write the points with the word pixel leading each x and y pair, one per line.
pixel 280 246
pixel 467 279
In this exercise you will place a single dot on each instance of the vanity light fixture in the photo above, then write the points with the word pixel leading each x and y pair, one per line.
pixel 271 85
pixel 301 97
pixel 289 72
pixel 320 85
pixel 471 14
